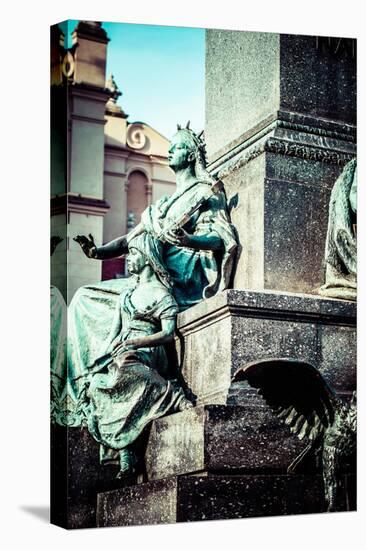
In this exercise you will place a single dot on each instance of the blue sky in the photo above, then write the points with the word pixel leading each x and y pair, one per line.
pixel 160 71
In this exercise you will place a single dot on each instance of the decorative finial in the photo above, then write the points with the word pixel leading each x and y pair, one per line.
pixel 179 127
pixel 112 86
pixel 187 125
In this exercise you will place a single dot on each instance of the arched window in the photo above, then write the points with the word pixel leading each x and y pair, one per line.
pixel 137 199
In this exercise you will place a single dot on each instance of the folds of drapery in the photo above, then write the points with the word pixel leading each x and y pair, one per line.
pixel 341 242
pixel 197 274
pixel 94 321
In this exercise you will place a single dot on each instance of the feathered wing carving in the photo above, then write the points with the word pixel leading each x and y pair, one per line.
pixel 299 395
pixel 296 392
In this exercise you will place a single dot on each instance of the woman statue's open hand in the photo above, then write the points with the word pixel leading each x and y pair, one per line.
pixel 87 245
pixel 126 345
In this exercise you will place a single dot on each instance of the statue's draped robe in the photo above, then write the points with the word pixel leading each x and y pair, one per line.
pixel 196 274
pixel 341 243
pixel 93 314
pixel 58 339
pixel 124 399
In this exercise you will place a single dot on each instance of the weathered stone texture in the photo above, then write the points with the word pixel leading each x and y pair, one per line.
pixel 250 76
pixel 218 438
pixel 280 125
pixel 237 63
pixel 77 477
pixel 196 498
pixel 318 78
pixel 244 326
pixel 139 505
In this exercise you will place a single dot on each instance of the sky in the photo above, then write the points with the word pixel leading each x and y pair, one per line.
pixel 160 72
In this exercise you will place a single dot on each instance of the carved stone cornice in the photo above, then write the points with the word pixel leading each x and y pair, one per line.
pixel 94 120
pixel 316 125
pixel 291 134
pixel 89 91
pixel 267 305
pixel 308 152
pixel 70 202
pixel 286 120
pixel 306 128
pixel 237 163
pixel 287 148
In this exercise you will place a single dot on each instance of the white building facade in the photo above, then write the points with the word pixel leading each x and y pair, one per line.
pixel 105 170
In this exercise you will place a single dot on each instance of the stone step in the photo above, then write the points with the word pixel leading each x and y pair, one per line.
pixel 220 438
pixel 212 497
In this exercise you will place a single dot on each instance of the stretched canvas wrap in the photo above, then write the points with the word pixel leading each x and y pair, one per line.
pixel 203 274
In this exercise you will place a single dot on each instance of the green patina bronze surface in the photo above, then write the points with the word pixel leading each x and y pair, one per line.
pixel 199 242
pixel 341 244
pixel 129 385
pixel 182 251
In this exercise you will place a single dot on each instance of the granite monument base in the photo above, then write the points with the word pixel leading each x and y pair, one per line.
pixel 213 497
pixel 228 456
pixel 278 139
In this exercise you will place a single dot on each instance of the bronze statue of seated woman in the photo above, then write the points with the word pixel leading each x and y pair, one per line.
pixel 197 242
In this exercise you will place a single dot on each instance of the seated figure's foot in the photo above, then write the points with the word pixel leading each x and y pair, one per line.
pixel 185 404
pixel 127 462
pixel 181 402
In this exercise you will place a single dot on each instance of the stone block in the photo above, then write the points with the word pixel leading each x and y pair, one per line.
pixel 235 327
pixel 235 104
pixel 145 504
pixel 197 498
pixel 279 206
pixel 218 438
pixel 318 76
pixel 294 235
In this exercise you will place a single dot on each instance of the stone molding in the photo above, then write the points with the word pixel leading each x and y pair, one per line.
pixel 290 134
pixel 287 148
pixel 78 203
pixel 293 149
pixel 88 119
pixel 290 121
pixel 90 91
pixel 121 175
pixel 267 305
pixel 316 130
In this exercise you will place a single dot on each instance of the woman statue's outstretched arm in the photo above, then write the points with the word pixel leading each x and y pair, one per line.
pixel 110 250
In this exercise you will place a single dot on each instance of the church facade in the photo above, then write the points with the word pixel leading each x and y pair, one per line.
pixel 105 170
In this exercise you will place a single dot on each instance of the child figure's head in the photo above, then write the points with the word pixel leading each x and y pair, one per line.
pixel 145 250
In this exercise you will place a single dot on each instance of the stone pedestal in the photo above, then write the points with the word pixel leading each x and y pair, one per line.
pixel 197 498
pixel 280 125
pixel 235 327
